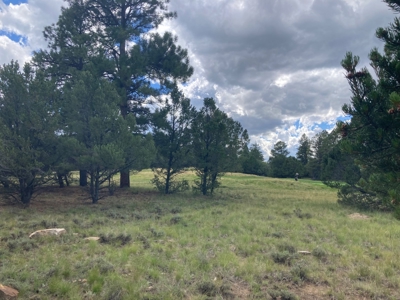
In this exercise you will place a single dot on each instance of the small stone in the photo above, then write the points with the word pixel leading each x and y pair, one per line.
pixel 92 238
pixel 7 293
pixel 304 252
pixel 50 231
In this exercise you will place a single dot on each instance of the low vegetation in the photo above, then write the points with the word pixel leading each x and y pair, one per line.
pixel 255 238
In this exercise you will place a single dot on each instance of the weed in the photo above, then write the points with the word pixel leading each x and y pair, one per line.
pixel 140 215
pixel 176 220
pixel 24 244
pixel 157 233
pixel 48 224
pixel 299 213
pixel 319 253
pixel 287 247
pixel 282 295
pixel 176 210
pixel 300 271
pixel 277 234
pixel 207 288
pixel 98 263
pixel 95 280
pixel 118 240
pixel 144 240
pixel 284 257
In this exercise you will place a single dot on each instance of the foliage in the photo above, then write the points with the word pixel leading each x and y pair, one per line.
pixel 172 137
pixel 304 151
pixel 217 140
pixel 282 166
pixel 321 144
pixel 151 58
pixel 27 130
pixel 104 141
pixel 252 161
pixel 371 136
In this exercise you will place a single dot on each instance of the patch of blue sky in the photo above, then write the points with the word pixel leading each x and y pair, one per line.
pixel 344 118
pixel 15 2
pixel 298 124
pixel 15 37
pixel 323 126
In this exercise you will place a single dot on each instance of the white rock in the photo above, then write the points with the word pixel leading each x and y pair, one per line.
pixel 7 293
pixel 50 231
pixel 304 252
pixel 92 238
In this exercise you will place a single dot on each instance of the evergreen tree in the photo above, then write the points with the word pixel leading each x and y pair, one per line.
pixel 72 47
pixel 28 123
pixel 304 151
pixel 151 57
pixel 320 146
pixel 281 165
pixel 280 148
pixel 217 141
pixel 171 132
pixel 371 136
pixel 253 161
pixel 104 141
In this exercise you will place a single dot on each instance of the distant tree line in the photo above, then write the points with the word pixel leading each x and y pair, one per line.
pixel 319 158
pixel 87 104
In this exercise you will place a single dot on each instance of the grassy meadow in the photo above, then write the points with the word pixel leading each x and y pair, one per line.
pixel 242 243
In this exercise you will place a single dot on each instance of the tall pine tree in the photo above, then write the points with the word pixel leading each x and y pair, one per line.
pixel 139 57
pixel 372 135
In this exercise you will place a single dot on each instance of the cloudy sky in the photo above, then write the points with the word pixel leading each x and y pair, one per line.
pixel 273 65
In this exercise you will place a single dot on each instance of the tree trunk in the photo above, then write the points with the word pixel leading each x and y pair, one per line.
pixel 124 175
pixel 26 191
pixel 82 178
pixel 60 180
pixel 95 196
pixel 204 183
pixel 124 179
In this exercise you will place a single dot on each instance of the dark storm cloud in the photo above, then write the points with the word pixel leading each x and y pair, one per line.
pixel 274 62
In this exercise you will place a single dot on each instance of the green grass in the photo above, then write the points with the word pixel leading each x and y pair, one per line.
pixel 242 243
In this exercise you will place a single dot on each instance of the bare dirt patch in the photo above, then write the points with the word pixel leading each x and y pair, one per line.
pixel 357 216
pixel 51 198
pixel 311 291
pixel 240 290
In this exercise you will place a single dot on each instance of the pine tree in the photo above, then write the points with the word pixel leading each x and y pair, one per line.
pixel 151 57
pixel 217 141
pixel 253 161
pixel 304 151
pixel 72 46
pixel 105 143
pixel 172 137
pixel 28 123
pixel 320 146
pixel 371 136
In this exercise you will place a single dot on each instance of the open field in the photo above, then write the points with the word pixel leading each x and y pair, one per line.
pixel 242 243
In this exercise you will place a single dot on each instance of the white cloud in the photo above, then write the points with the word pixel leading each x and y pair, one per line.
pixel 27 20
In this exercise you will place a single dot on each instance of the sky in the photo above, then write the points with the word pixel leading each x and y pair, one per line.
pixel 272 65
